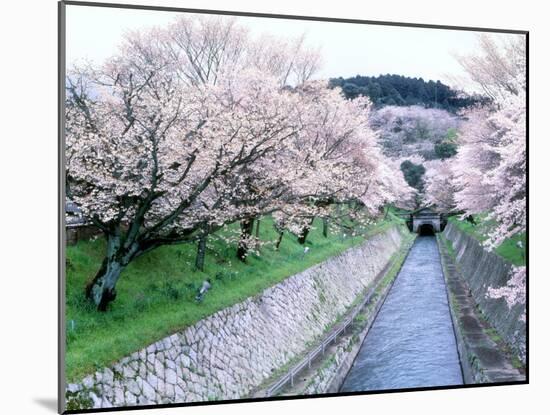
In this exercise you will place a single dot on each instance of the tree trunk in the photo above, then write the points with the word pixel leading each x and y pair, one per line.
pixel 305 231
pixel 101 290
pixel 387 211
pixel 303 235
pixel 279 239
pixel 258 228
pixel 201 251
pixel 247 227
pixel 325 227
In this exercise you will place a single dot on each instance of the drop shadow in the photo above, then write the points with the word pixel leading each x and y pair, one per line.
pixel 48 403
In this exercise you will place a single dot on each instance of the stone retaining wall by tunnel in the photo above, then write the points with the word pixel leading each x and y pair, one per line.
pixel 482 269
pixel 229 354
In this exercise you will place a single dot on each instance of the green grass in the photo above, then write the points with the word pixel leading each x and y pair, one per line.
pixel 493 334
pixel 508 250
pixel 448 246
pixel 156 292
pixel 516 362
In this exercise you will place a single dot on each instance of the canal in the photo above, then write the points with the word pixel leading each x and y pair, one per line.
pixel 411 342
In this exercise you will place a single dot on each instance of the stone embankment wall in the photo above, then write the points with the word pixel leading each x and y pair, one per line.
pixel 482 269
pixel 232 352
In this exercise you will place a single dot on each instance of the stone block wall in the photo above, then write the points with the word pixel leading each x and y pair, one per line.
pixel 229 354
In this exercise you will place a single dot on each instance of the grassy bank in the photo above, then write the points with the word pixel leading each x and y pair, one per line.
pixel 156 292
pixel 509 249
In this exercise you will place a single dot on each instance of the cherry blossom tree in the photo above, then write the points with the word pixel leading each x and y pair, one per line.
pixel 151 162
pixel 412 130
pixel 339 161
pixel 514 291
pixel 439 186
pixel 490 168
pixel 202 47
pixel 291 61
pixel 499 66
pixel 179 134
pixel 493 179
pixel 205 46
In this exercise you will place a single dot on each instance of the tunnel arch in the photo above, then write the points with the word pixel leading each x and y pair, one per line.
pixel 426 229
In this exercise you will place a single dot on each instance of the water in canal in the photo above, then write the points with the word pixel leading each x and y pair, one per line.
pixel 411 342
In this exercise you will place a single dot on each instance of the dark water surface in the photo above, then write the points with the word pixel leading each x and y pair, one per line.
pixel 411 342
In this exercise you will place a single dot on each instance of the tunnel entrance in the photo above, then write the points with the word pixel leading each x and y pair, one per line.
pixel 425 221
pixel 426 230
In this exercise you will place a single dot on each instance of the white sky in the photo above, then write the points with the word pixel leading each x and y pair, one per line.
pixel 347 49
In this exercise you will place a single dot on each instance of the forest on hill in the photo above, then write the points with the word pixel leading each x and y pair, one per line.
pixel 405 91
pixel 416 120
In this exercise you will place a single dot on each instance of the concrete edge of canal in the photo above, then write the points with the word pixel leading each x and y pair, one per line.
pixel 484 356
pixel 391 275
pixel 327 373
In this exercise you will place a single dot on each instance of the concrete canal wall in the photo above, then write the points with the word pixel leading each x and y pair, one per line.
pixel 482 269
